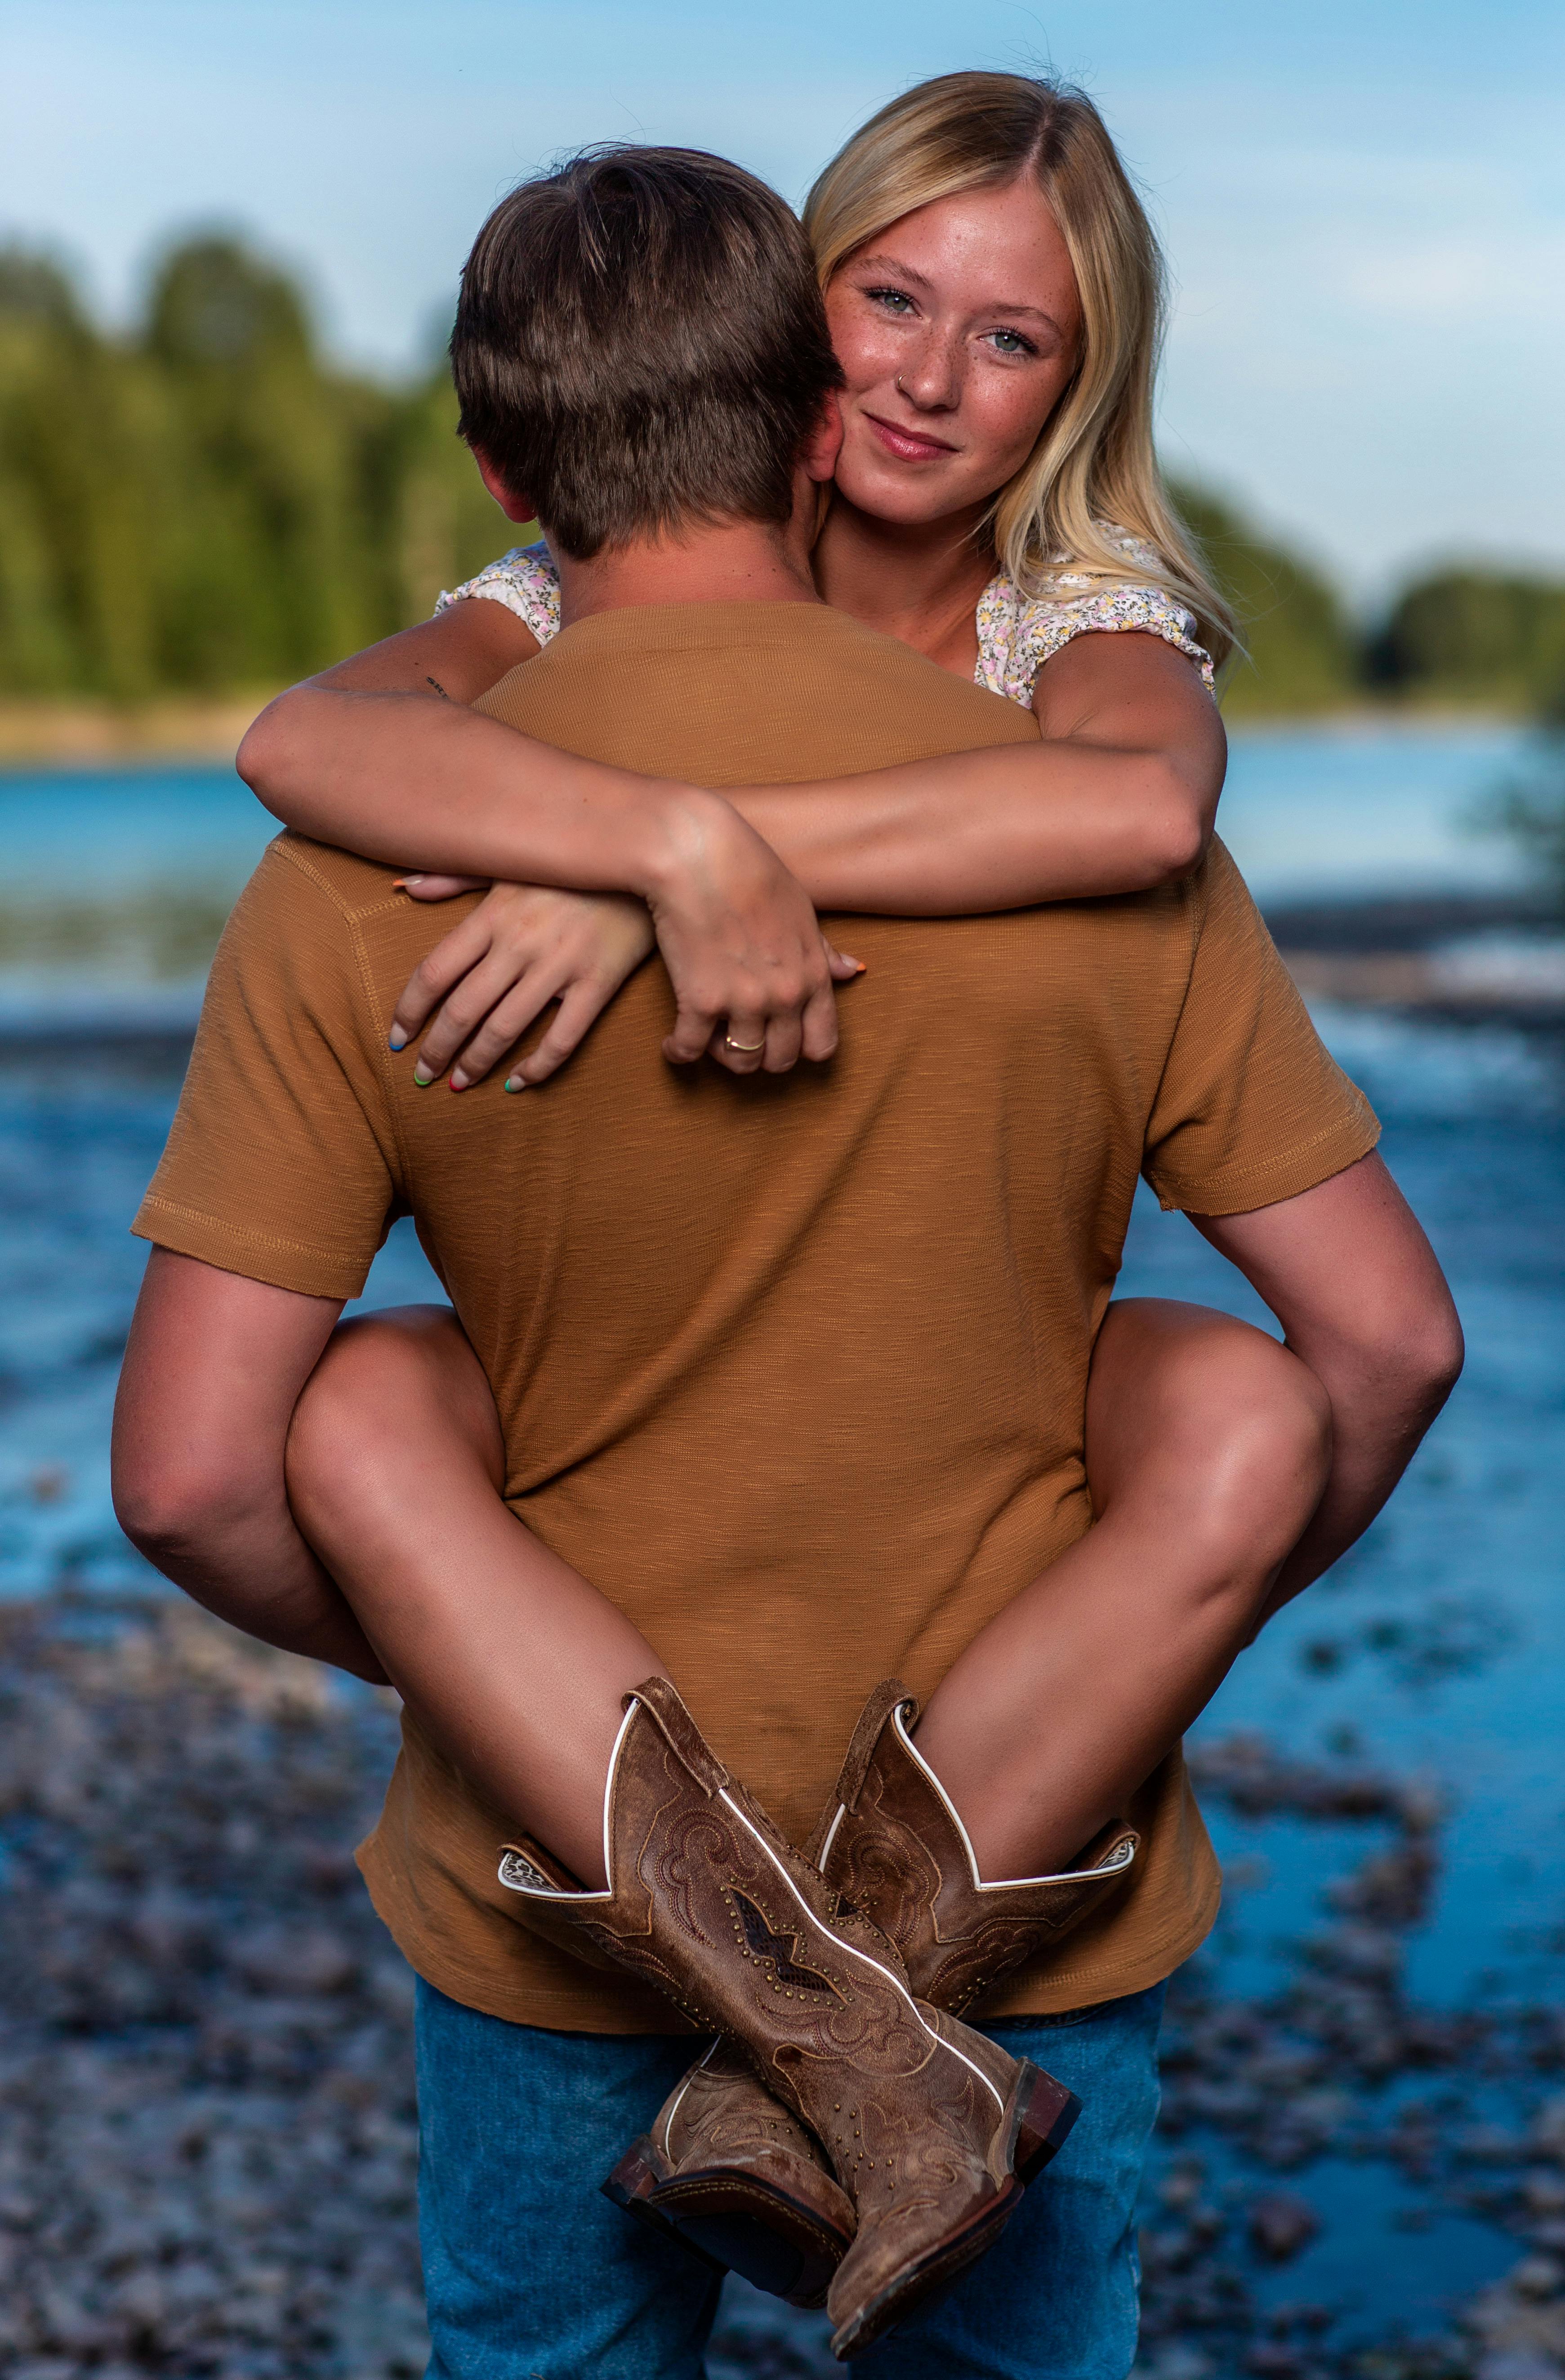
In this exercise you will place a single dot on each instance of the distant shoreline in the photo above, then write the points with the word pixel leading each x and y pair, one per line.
pixel 1461 959
pixel 67 734
pixel 60 733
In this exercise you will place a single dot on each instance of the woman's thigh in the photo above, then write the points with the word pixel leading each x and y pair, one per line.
pixel 1059 2297
pixel 530 2272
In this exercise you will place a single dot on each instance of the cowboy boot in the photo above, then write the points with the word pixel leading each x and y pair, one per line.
pixel 893 1845
pixel 729 2172
pixel 708 1902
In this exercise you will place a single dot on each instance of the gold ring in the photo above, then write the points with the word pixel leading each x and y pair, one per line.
pixel 743 1048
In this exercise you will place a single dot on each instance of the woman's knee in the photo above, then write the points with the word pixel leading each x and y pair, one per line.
pixel 1215 1409
pixel 388 1383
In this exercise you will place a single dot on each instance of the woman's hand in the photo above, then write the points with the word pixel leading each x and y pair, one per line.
pixel 751 971
pixel 441 888
pixel 524 945
pixel 744 952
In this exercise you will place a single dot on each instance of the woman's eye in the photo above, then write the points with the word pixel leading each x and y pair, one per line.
pixel 1012 343
pixel 896 301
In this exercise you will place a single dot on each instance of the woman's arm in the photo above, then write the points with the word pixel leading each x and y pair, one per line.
pixel 371 754
pixel 458 655
pixel 1119 795
pixel 381 755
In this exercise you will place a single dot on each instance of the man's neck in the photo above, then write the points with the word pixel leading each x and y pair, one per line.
pixel 741 562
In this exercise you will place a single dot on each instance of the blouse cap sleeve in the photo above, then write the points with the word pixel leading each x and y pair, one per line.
pixel 524 580
pixel 1018 634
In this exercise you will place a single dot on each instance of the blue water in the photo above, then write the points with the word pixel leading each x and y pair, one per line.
pixel 1316 810
pixel 1340 809
pixel 1438 1646
pixel 99 832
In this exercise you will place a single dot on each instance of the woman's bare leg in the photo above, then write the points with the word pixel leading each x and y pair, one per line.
pixel 395 1472
pixel 1207 1451
pixel 1207 1447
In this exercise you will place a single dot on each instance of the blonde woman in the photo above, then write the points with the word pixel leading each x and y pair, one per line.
pixel 991 288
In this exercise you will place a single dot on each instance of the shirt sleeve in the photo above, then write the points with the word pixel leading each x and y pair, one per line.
pixel 282 1163
pixel 1251 1108
pixel 524 580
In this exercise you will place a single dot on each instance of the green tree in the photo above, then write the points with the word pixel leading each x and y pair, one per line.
pixel 73 515
pixel 1300 650
pixel 1466 636
pixel 439 523
pixel 207 505
pixel 267 562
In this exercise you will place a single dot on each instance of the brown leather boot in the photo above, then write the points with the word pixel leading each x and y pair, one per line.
pixel 728 2171
pixel 892 1843
pixel 710 1903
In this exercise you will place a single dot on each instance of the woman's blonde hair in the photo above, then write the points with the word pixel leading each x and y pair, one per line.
pixel 1092 471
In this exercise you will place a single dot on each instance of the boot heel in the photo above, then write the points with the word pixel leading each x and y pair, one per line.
pixel 1048 2110
pixel 735 2223
pixel 631 2185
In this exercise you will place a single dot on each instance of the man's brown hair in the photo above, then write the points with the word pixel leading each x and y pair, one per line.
pixel 641 345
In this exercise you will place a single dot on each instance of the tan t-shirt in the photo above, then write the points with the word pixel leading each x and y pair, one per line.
pixel 792 1367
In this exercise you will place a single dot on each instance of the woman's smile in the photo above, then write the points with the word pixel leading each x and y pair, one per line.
pixel 908 446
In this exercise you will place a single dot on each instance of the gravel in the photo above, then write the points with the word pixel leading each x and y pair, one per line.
pixel 207 2128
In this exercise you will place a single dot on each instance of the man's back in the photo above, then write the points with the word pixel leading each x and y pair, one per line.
pixel 792 1367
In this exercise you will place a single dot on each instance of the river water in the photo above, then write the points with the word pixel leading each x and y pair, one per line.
pixel 1437 1649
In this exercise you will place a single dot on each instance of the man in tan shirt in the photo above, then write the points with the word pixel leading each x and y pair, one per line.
pixel 792 1368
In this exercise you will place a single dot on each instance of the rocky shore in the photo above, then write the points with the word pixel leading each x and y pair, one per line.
pixel 1460 959
pixel 207 2129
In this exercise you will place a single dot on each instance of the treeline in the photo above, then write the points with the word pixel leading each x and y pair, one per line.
pixel 1481 637
pixel 207 505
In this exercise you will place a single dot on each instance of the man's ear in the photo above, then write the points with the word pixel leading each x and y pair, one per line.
pixel 824 442
pixel 516 508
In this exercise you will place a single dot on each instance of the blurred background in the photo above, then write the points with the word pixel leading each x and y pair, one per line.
pixel 229 239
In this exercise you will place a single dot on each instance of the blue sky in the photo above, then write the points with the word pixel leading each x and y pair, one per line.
pixel 1363 205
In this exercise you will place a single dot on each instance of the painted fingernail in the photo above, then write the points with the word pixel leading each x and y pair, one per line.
pixel 422 1076
pixel 397 1038
pixel 516 1083
pixel 400 884
pixel 459 1082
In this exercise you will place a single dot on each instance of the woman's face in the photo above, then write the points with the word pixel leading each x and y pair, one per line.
pixel 959 328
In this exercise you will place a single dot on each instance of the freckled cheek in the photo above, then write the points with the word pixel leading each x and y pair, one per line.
pixel 867 372
pixel 869 352
pixel 863 461
pixel 1003 425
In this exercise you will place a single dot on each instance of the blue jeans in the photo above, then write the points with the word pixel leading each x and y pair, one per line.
pixel 533 2275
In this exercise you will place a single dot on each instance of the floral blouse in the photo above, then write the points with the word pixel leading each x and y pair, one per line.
pixel 1017 634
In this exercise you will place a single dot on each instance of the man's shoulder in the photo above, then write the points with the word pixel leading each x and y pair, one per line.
pixel 304 924
pixel 315 877
pixel 746 692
